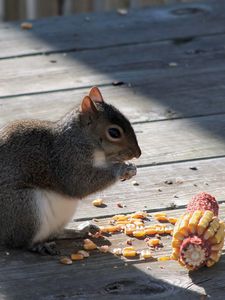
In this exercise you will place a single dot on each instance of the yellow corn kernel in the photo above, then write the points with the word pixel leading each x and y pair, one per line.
pixel 176 253
pixel 120 217
pixel 138 223
pixel 213 227
pixel 139 233
pixel 139 215
pixel 168 230
pixel 129 252
pixel 129 229
pixel 150 231
pixel 89 245
pixel 97 202
pixel 110 228
pixel 172 220
pixel 65 260
pixel 177 225
pixel 218 247
pixel 159 214
pixel 215 256
pixel 161 218
pixel 219 235
pixel 145 254
pixel 164 258
pixel 210 263
pixel 176 243
pixel 122 222
pixel 194 220
pixel 204 221
pixel 182 229
pixel 154 242
pixel 76 256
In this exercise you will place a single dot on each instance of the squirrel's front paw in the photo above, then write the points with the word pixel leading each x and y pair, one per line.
pixel 128 171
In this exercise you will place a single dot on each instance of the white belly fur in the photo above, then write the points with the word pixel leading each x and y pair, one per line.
pixel 55 212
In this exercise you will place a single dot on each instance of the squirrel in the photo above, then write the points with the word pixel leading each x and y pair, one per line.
pixel 46 166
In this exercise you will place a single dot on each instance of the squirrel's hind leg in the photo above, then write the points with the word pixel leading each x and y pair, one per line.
pixel 80 232
pixel 46 248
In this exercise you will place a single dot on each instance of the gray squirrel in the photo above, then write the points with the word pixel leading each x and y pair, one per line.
pixel 45 166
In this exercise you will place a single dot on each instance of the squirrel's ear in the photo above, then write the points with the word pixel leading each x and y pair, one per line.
pixel 88 105
pixel 95 95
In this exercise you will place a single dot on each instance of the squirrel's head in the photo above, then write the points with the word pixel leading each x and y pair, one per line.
pixel 109 128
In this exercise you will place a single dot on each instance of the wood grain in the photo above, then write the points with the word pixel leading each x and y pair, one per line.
pixel 178 22
pixel 154 194
pixel 144 63
pixel 153 99
pixel 104 276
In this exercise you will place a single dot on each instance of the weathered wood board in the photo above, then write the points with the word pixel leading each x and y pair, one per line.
pixel 181 139
pixel 176 97
pixel 171 64
pixel 154 194
pixel 179 22
pixel 104 276
pixel 132 64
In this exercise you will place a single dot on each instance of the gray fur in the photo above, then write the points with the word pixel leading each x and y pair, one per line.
pixel 56 156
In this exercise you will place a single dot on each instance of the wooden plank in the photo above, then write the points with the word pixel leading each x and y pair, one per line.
pixel 202 94
pixel 99 67
pixel 104 276
pixel 181 139
pixel 154 194
pixel 105 30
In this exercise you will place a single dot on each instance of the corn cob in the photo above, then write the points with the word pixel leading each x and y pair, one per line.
pixel 198 235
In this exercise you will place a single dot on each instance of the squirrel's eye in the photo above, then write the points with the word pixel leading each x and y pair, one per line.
pixel 114 133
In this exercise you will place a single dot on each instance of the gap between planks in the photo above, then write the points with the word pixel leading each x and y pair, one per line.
pixel 129 28
pixel 154 194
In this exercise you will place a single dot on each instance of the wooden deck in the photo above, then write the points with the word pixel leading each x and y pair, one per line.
pixel 170 62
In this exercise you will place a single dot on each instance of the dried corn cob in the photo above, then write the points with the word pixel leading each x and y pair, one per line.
pixel 198 235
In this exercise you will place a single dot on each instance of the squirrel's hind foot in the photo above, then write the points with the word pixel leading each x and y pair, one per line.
pixel 80 232
pixel 47 248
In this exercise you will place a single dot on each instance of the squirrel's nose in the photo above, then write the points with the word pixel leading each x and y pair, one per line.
pixel 137 152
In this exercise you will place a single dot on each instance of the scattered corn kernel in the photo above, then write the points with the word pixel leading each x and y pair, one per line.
pixel 139 215
pixel 172 220
pixel 110 228
pixel 145 254
pixel 164 258
pixel 84 253
pixel 129 252
pixel 154 242
pixel 104 248
pixel 97 202
pixel 76 256
pixel 150 231
pixel 161 218
pixel 139 233
pixel 66 260
pixel 120 217
pixel 160 214
pixel 117 251
pixel 129 229
pixel 89 245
